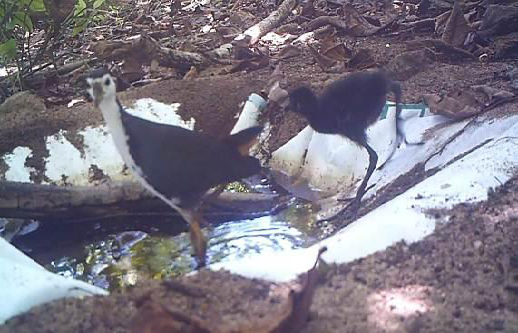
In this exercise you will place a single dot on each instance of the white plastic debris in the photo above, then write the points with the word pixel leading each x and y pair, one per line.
pixel 482 156
pixel 250 114
pixel 24 283
pixel 315 165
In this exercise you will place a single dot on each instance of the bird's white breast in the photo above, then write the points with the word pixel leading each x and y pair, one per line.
pixel 112 115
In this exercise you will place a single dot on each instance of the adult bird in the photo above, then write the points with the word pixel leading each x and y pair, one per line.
pixel 175 164
pixel 347 107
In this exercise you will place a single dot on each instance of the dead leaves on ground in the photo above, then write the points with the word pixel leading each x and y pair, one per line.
pixel 339 57
pixel 457 27
pixel 204 35
pixel 460 104
pixel 285 309
pixel 136 53
pixel 353 23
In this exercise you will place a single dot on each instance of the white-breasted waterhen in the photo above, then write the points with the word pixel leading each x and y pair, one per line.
pixel 177 165
pixel 348 106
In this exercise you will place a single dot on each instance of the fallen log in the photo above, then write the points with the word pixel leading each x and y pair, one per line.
pixel 51 202
pixel 273 20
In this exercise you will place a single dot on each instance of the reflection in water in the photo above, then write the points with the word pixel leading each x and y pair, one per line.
pixel 119 259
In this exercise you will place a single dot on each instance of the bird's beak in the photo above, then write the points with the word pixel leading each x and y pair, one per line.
pixel 98 93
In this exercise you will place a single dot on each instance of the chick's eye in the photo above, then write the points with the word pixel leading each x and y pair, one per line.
pixel 107 82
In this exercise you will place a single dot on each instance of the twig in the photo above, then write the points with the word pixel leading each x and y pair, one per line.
pixel 183 288
pixel 442 47
pixel 273 20
pixel 324 20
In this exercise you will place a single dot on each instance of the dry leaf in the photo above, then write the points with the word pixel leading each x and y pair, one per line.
pixel 228 33
pixel 324 62
pixel 289 51
pixel 358 26
pixel 339 52
pixel 131 69
pixel 302 299
pixel 154 317
pixel 410 63
pixel 457 28
pixel 257 62
pixel 457 105
pixel 362 59
pixel 440 22
pixel 191 74
pixel 493 93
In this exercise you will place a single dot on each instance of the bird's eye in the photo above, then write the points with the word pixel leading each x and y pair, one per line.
pixel 107 82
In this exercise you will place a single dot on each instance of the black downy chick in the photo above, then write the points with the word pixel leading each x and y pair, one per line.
pixel 348 107
pixel 175 164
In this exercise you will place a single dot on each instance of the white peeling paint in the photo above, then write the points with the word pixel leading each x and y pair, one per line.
pixel 16 169
pixel 63 159
pixel 149 109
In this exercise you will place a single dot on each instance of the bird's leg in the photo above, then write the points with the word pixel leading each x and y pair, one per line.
pixel 198 242
pixel 354 204
pixel 373 159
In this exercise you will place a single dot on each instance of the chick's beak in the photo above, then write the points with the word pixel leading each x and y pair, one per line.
pixel 98 93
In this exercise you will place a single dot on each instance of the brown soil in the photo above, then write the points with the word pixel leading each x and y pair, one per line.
pixel 237 302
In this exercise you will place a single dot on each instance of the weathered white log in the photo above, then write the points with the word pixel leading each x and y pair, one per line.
pixel 24 200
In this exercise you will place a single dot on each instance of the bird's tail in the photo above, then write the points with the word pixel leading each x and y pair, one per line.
pixel 244 139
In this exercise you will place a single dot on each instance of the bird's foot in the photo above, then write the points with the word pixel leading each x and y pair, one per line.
pixel 349 211
pixel 353 207
pixel 382 166
pixel 356 197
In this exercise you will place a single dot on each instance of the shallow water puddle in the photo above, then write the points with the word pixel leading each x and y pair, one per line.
pixel 112 259
pixel 115 252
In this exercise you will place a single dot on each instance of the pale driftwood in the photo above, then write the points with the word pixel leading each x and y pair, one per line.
pixel 24 200
pixel 273 20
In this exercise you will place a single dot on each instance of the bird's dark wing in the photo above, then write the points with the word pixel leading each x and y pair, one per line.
pixel 181 163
